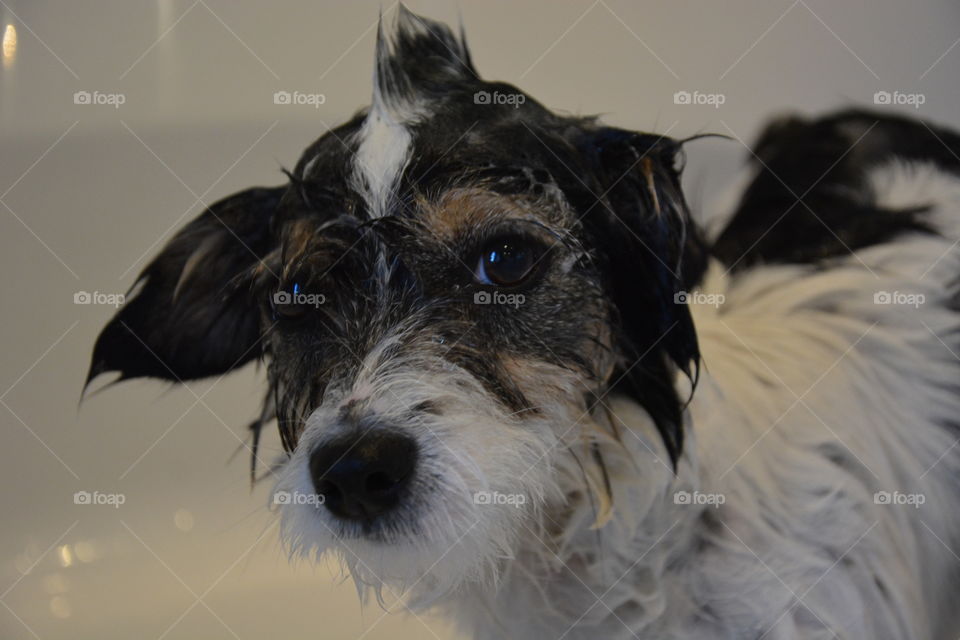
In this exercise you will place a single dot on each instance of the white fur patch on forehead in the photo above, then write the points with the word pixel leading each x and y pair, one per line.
pixel 413 57
pixel 383 153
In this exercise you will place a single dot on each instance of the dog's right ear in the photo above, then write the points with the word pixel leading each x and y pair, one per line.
pixel 187 318
pixel 651 252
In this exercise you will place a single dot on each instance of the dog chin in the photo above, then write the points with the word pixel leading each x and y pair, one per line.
pixel 419 555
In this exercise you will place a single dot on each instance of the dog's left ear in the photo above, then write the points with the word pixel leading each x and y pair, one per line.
pixel 651 253
pixel 187 318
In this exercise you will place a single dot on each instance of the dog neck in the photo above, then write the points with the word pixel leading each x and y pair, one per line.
pixel 579 555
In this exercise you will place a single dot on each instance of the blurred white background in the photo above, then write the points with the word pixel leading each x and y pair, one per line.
pixel 88 192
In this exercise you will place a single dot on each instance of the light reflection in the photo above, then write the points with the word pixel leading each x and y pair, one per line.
pixel 23 562
pixel 55 584
pixel 9 45
pixel 183 519
pixel 66 555
pixel 85 551
pixel 60 607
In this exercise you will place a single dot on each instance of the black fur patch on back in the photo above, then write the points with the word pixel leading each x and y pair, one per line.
pixel 810 199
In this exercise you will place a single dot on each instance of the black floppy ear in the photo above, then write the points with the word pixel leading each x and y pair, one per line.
pixel 651 251
pixel 187 318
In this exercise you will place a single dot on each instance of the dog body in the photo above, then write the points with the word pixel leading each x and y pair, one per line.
pixel 524 389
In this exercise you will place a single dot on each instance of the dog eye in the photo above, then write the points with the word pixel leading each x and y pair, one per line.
pixel 506 261
pixel 292 304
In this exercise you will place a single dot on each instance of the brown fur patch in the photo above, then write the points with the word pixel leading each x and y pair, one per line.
pixel 459 209
pixel 298 238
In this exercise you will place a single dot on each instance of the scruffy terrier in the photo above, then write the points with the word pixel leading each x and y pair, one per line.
pixel 516 382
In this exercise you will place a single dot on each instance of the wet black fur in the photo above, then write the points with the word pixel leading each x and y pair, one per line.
pixel 206 329
pixel 826 162
pixel 630 230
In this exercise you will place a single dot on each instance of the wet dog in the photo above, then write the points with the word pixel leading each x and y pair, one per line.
pixel 516 382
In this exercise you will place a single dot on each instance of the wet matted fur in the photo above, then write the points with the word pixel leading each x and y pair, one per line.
pixel 719 440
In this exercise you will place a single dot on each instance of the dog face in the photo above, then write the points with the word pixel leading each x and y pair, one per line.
pixel 444 293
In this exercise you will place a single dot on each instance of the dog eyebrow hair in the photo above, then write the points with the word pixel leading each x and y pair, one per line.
pixel 646 166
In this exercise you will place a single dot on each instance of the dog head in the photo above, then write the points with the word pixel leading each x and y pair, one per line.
pixel 445 292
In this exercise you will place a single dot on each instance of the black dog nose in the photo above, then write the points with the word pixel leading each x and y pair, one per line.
pixel 361 478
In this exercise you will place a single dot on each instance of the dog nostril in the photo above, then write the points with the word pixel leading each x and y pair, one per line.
pixel 331 494
pixel 363 478
pixel 379 482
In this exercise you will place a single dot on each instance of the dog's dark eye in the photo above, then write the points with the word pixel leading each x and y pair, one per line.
pixel 506 261
pixel 292 303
